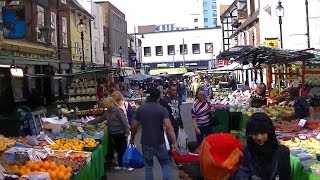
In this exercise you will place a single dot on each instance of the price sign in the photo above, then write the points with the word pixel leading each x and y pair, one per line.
pixel 302 122
pixel 318 136
pixel 80 129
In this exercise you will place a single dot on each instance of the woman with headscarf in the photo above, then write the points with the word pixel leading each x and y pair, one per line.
pixel 264 158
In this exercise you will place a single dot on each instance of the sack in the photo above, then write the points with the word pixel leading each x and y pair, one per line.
pixel 132 158
pixel 182 141
pixel 166 141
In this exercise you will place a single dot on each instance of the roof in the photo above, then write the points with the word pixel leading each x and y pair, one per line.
pixel 76 5
pixel 252 18
pixel 183 30
pixel 234 52
pixel 234 4
pixel 269 55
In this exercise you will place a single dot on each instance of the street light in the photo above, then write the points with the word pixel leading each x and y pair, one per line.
pixel 280 14
pixel 120 52
pixel 81 29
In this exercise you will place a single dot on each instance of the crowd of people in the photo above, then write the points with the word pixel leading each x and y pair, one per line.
pixel 212 156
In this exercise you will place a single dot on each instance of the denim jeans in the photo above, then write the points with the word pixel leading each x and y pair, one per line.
pixel 161 153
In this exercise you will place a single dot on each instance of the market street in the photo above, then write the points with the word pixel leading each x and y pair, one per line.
pixel 139 173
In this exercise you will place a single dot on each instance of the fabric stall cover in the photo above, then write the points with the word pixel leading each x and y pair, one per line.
pixel 220 155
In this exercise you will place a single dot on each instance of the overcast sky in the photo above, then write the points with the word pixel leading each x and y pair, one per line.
pixel 148 12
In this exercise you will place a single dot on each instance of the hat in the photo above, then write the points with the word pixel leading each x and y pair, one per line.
pixel 220 155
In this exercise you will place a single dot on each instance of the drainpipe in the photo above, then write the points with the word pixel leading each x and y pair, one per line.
pixel 91 39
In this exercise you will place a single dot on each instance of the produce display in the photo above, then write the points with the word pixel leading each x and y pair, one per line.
pixel 58 172
pixel 93 111
pixel 90 130
pixel 73 144
pixel 5 143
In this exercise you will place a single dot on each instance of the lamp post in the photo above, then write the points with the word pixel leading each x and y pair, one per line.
pixel 81 29
pixel 307 21
pixel 120 53
pixel 280 14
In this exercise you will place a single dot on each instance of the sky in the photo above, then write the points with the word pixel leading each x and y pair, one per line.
pixel 152 12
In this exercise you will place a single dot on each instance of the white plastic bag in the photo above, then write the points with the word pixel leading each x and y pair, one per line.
pixel 166 141
pixel 182 141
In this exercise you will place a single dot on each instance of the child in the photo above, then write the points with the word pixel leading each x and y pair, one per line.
pixel 191 157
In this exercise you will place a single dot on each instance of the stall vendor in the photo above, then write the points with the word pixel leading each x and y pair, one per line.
pixel 258 98
pixel 301 104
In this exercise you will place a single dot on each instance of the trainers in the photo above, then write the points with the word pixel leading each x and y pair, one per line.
pixel 129 169
pixel 117 168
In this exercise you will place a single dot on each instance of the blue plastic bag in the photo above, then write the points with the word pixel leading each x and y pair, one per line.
pixel 132 158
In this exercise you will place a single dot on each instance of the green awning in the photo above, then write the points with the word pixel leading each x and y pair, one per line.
pixel 168 71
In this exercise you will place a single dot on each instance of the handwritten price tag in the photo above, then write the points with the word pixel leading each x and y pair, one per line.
pixel 302 122
pixel 80 129
pixel 318 136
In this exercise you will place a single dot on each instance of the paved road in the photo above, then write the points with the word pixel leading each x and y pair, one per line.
pixel 138 174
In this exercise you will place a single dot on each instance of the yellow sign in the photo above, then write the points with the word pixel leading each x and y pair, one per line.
pixel 272 42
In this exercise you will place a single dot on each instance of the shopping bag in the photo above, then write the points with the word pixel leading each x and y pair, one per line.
pixel 166 141
pixel 132 158
pixel 182 141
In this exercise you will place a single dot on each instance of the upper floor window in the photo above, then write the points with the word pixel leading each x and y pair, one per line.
pixel 94 22
pixel 205 11
pixel 40 23
pixel 171 50
pixel 147 51
pixel 204 4
pixel 76 48
pixel 64 32
pixel 54 27
pixel 196 48
pixel 205 19
pixel 208 47
pixel 159 50
pixel 183 49
pixel 195 20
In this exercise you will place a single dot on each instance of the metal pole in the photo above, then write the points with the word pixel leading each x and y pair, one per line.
pixel 82 41
pixel 120 59
pixel 280 24
pixel 307 20
pixel 183 52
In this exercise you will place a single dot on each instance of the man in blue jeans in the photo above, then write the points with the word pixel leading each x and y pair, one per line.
pixel 153 118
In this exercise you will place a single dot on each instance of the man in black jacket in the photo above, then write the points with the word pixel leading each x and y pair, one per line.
pixel 172 102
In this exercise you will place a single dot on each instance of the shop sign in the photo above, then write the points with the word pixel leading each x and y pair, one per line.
pixel 20 54
pixel 271 42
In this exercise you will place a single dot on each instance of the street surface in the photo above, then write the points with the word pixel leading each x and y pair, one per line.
pixel 138 174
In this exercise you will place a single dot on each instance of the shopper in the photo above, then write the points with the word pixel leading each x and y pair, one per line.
pixel 118 128
pixel 152 117
pixel 207 89
pixel 264 158
pixel 172 102
pixel 124 105
pixel 200 112
pixel 220 156
pixel 258 98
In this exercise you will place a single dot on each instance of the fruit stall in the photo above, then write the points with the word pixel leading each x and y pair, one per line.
pixel 74 151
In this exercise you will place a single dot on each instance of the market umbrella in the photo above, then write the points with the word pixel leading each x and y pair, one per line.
pixel 189 74
pixel 138 77
pixel 234 52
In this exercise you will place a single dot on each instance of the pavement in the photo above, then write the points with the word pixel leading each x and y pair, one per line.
pixel 138 174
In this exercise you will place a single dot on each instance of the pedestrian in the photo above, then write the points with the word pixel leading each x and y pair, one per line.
pixel 263 157
pixel 124 105
pixel 207 89
pixel 200 112
pixel 153 118
pixel 172 103
pixel 118 128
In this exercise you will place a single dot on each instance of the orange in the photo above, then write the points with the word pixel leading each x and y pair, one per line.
pixel 28 171
pixel 53 165
pixel 42 170
pixel 60 175
pixel 22 171
pixel 53 175
pixel 46 165
pixel 35 167
pixel 29 164
pixel 68 176
pixel 69 169
pixel 23 167
pixel 14 168
pixel 40 163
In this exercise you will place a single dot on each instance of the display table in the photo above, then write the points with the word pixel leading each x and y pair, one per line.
pixel 298 172
pixel 95 168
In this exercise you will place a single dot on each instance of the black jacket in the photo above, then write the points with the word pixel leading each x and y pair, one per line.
pixel 280 166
